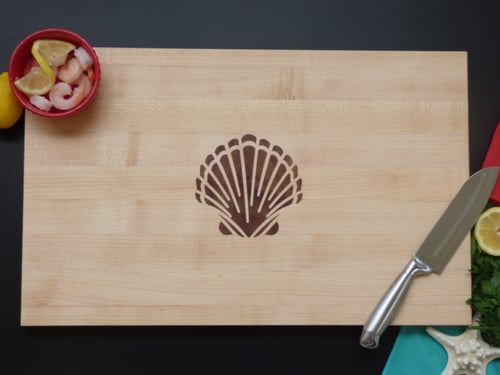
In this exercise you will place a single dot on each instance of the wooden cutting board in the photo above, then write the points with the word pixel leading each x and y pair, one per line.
pixel 246 187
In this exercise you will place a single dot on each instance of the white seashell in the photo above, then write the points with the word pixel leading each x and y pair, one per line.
pixel 249 182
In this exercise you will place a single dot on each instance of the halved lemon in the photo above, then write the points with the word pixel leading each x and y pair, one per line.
pixel 10 109
pixel 51 53
pixel 487 231
pixel 36 82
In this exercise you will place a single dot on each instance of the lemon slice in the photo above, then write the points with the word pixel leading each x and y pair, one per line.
pixel 487 231
pixel 36 82
pixel 51 53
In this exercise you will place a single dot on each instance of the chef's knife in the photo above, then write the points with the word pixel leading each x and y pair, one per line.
pixel 436 250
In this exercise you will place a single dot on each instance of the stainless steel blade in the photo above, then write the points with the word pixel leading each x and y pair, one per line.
pixel 457 220
pixel 436 250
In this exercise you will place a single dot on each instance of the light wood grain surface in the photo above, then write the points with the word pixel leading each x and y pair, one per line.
pixel 113 233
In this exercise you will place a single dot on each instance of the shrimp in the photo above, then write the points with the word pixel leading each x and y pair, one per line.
pixel 63 97
pixel 83 57
pixel 90 74
pixel 71 71
pixel 41 102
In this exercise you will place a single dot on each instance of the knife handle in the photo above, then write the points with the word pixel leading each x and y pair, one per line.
pixel 386 309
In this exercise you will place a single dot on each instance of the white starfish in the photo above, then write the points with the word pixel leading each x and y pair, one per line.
pixel 468 354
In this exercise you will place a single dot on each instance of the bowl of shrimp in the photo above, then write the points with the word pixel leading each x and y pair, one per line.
pixel 54 73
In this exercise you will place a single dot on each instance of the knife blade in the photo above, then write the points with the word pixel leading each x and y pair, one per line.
pixel 436 250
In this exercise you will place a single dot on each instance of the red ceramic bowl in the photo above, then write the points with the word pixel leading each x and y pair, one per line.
pixel 22 55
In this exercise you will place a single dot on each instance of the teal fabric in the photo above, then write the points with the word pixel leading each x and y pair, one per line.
pixel 415 352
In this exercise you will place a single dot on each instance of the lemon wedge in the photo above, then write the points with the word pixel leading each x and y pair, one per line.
pixel 51 53
pixel 36 82
pixel 487 231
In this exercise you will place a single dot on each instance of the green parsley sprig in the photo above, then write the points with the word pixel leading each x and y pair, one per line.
pixel 485 272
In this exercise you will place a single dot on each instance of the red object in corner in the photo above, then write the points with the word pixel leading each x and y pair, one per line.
pixel 492 159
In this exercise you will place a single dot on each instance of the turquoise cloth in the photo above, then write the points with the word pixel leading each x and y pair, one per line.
pixel 415 352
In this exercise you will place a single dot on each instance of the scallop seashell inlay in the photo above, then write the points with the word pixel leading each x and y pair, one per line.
pixel 248 181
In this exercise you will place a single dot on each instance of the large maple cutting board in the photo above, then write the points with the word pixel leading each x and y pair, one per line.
pixel 343 160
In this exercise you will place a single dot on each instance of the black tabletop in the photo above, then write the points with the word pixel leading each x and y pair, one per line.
pixel 471 26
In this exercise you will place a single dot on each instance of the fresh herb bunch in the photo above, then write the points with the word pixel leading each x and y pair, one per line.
pixel 485 298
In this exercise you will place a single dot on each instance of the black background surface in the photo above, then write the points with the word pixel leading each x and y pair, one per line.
pixel 472 26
